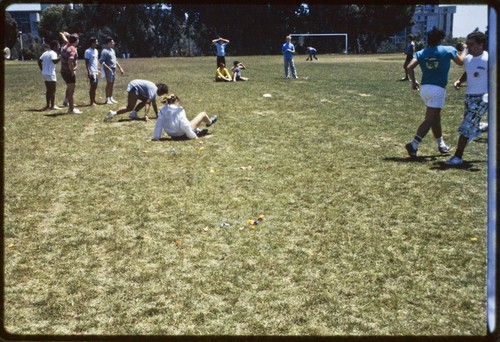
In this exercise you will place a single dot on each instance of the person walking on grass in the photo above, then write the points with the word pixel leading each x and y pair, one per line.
pixel 435 61
pixel 140 90
pixel 476 76
pixel 69 63
pixel 109 64
pixel 220 43
pixel 409 52
pixel 288 50
pixel 47 64
pixel 92 65
pixel 173 120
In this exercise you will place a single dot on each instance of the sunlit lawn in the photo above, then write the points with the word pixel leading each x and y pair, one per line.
pixel 107 232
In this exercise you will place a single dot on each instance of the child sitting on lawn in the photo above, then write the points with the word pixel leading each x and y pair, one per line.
pixel 222 74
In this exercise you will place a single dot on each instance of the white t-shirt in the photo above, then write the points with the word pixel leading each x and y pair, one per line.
pixel 48 66
pixel 92 55
pixel 172 119
pixel 477 74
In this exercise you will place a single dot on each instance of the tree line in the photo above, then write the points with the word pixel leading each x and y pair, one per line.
pixel 183 29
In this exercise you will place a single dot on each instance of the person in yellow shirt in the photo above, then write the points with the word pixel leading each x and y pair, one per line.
pixel 222 74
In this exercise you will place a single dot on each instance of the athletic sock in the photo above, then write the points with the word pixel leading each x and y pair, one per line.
pixel 417 140
pixel 440 142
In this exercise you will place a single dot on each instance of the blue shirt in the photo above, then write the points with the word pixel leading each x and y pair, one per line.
pixel 143 88
pixel 288 54
pixel 108 57
pixel 221 48
pixel 435 63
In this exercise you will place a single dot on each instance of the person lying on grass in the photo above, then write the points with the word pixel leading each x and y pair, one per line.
pixel 172 119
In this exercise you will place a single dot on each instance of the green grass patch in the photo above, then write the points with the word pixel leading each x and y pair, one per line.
pixel 108 232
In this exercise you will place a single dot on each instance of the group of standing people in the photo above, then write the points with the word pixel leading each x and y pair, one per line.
pixel 69 63
pixel 435 61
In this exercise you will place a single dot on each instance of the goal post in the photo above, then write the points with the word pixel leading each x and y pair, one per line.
pixel 321 35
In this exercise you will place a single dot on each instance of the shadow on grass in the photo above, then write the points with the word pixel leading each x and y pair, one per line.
pixel 466 166
pixel 184 138
pixel 438 165
pixel 58 114
pixel 481 141
pixel 129 119
pixel 419 159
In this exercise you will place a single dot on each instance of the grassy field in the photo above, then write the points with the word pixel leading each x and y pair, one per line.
pixel 107 232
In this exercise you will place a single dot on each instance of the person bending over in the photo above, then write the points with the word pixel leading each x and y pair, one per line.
pixel 140 90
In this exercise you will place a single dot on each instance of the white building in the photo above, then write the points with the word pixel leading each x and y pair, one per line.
pixel 427 17
pixel 27 16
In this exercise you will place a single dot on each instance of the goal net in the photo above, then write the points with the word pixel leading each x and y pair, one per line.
pixel 306 39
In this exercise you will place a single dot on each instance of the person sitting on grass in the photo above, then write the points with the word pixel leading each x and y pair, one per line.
pixel 146 92
pixel 236 70
pixel 222 74
pixel 172 119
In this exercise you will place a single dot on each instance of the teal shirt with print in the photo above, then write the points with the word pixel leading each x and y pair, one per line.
pixel 435 63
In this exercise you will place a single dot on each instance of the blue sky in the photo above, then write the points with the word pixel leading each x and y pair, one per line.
pixel 468 17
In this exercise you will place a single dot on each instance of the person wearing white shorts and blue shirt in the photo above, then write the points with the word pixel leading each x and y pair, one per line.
pixel 435 61
pixel 476 105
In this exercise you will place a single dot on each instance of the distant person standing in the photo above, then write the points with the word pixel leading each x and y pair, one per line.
pixel 47 64
pixel 435 61
pixel 312 53
pixel 476 76
pixel 69 63
pixel 409 52
pixel 109 63
pixel 288 50
pixel 92 65
pixel 220 43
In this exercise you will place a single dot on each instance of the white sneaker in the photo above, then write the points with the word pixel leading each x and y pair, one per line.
pixel 113 100
pixel 133 115
pixel 74 111
pixel 454 161
pixel 55 108
pixel 109 116
pixel 483 127
pixel 108 101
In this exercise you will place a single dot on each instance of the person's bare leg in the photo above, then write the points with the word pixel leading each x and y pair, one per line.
pixel 198 119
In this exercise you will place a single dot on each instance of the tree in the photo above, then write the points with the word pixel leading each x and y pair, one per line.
pixel 51 23
pixel 10 31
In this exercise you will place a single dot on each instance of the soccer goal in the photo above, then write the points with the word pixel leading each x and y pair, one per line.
pixel 322 35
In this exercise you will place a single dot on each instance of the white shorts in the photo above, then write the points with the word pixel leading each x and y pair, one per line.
pixel 433 95
pixel 49 78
